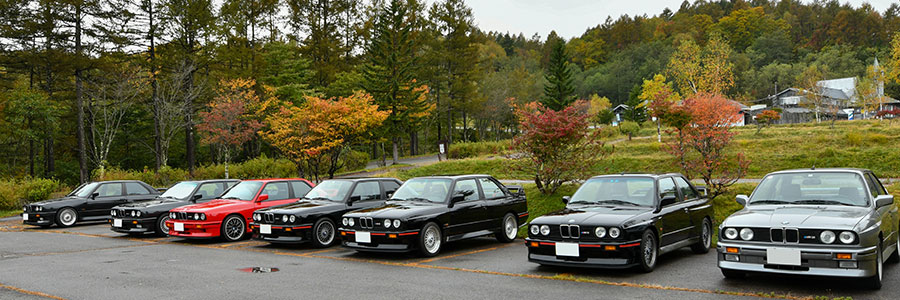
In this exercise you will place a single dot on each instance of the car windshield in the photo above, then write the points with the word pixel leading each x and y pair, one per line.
pixel 87 189
pixel 244 190
pixel 332 190
pixel 625 191
pixel 75 191
pixel 423 189
pixel 817 188
pixel 180 190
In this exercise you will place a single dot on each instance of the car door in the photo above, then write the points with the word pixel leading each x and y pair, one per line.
pixel 108 195
pixel 887 214
pixel 299 188
pixel 209 191
pixel 468 214
pixel 369 193
pixel 389 187
pixel 694 203
pixel 137 192
pixel 496 200
pixel 279 193
pixel 674 216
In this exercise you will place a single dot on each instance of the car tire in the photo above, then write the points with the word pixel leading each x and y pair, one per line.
pixel 874 282
pixel 732 274
pixel 430 240
pixel 233 228
pixel 509 229
pixel 702 246
pixel 895 257
pixel 66 217
pixel 323 234
pixel 648 252
pixel 161 228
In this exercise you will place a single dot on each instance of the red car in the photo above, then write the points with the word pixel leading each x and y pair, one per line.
pixel 229 215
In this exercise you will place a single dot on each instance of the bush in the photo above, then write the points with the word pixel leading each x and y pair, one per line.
pixel 606 132
pixel 475 149
pixel 354 160
pixel 629 128
pixel 14 193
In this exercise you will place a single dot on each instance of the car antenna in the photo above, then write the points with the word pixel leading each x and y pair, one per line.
pixel 814 167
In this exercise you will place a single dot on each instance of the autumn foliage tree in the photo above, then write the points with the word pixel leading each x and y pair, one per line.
pixel 228 123
pixel 556 146
pixel 316 133
pixel 702 133
pixel 765 118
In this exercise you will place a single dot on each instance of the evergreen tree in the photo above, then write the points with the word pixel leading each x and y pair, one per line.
pixel 454 23
pixel 559 91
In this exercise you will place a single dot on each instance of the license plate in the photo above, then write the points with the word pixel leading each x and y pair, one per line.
pixel 117 222
pixel 265 229
pixel 363 237
pixel 783 256
pixel 179 226
pixel 567 249
pixel 24 217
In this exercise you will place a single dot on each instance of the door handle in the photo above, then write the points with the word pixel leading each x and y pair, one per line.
pixel 687 210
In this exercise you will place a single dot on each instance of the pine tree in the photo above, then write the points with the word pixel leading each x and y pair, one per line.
pixel 559 91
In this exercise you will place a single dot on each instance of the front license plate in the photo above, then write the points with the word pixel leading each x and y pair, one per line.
pixel 179 226
pixel 363 237
pixel 783 256
pixel 567 249
pixel 24 217
pixel 117 222
pixel 265 229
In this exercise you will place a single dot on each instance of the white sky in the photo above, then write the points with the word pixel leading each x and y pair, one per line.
pixel 570 18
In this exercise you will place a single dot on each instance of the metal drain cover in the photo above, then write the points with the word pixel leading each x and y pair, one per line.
pixel 259 270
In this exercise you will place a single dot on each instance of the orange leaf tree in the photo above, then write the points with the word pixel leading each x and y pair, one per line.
pixel 229 123
pixel 316 133
pixel 765 118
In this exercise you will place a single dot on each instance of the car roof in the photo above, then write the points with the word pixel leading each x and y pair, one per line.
pixel 363 178
pixel 212 180
pixel 822 170
pixel 455 176
pixel 117 181
pixel 651 175
pixel 276 179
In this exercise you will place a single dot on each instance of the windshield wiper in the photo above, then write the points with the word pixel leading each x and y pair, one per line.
pixel 234 198
pixel 825 202
pixel 613 201
pixel 770 202
pixel 417 199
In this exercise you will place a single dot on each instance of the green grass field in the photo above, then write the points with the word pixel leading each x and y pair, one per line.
pixel 10 213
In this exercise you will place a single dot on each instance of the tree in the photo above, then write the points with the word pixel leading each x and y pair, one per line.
pixel 556 146
pixel 659 91
pixel 457 64
pixel 34 115
pixel 559 91
pixel 229 124
pixel 702 70
pixel 172 102
pixel 317 132
pixel 812 90
pixel 325 33
pixel 112 93
pixel 766 118
pixel 893 65
pixel 889 114
pixel 629 128
pixel 599 110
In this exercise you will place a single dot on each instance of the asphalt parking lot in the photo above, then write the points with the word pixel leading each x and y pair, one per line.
pixel 92 262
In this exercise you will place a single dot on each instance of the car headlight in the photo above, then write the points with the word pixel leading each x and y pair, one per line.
pixel 731 233
pixel 746 234
pixel 387 223
pixel 344 221
pixel 256 217
pixel 614 232
pixel 171 215
pixel 284 218
pixel 196 216
pixel 292 219
pixel 112 213
pixel 202 216
pixel 600 232
pixel 535 229
pixel 545 230
pixel 848 237
pixel 396 223
pixel 24 208
pixel 827 236
pixel 132 213
pixel 138 214
pixel 350 221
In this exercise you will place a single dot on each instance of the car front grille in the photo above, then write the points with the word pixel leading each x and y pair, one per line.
pixel 181 216
pixel 269 218
pixel 785 235
pixel 570 231
pixel 366 222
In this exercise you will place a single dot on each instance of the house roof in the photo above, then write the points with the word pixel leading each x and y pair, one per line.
pixel 846 85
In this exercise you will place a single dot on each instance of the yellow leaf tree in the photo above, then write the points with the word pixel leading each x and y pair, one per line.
pixel 702 70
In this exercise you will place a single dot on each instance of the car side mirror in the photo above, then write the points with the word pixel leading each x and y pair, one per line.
pixel 456 198
pixel 667 200
pixel 566 199
pixel 354 199
pixel 94 195
pixel 884 200
pixel 516 190
pixel 262 198
pixel 742 199
pixel 196 197
pixel 389 194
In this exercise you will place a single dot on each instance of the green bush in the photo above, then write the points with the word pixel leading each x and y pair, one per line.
pixel 608 132
pixel 629 128
pixel 14 193
pixel 475 149
pixel 354 160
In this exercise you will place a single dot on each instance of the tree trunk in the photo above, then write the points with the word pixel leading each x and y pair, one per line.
pixel 227 158
pixel 189 142
pixel 465 127
pixel 31 157
pixel 50 166
pixel 154 87
pixel 395 155
pixel 413 142
pixel 79 102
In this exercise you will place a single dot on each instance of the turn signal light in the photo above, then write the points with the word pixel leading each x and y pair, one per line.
pixel 133 222
pixel 343 233
pixel 609 248
pixel 843 256
pixel 393 236
pixel 534 244
pixel 199 226
pixel 732 250
pixel 287 229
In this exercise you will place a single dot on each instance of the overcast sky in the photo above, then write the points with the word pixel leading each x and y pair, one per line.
pixel 570 18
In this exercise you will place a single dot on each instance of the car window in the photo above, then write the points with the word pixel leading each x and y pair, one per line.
pixel 300 188
pixel 615 191
pixel 423 189
pixel 491 189
pixel 367 190
pixel 135 188
pixel 667 188
pixel 686 190
pixel 390 186
pixel 109 190
pixel 874 185
pixel 277 191
pixel 210 190
pixel 466 188
pixel 815 188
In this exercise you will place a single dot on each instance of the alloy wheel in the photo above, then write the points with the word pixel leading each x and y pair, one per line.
pixel 67 217
pixel 234 228
pixel 648 251
pixel 509 227
pixel 432 239
pixel 325 233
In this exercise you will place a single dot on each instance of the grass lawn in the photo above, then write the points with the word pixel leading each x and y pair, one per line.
pixel 10 213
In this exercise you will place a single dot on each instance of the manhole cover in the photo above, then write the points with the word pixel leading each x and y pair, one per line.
pixel 259 270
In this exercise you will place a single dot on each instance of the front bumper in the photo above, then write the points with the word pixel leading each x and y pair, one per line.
pixel 590 255
pixel 133 225
pixel 382 241
pixel 283 234
pixel 39 218
pixel 195 229
pixel 814 261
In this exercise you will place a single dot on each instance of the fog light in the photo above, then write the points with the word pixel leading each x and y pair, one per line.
pixel 732 257
pixel 139 226
pixel 843 256
pixel 848 264
pixel 609 248
pixel 732 250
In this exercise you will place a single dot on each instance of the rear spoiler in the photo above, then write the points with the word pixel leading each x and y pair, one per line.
pixel 516 190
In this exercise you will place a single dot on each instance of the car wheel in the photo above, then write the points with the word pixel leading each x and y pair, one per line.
pixel 732 274
pixel 430 240
pixel 702 246
pixel 161 228
pixel 233 228
pixel 323 233
pixel 874 282
pixel 66 217
pixel 648 251
pixel 508 229
pixel 895 257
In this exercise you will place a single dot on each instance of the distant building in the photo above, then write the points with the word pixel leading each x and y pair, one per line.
pixel 619 112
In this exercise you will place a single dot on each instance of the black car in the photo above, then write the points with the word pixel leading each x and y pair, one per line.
pixel 151 216
pixel 426 212
pixel 622 221
pixel 89 202
pixel 314 217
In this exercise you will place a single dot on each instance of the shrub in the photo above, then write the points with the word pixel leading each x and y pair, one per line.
pixel 475 149
pixel 14 193
pixel 854 139
pixel 354 160
pixel 629 128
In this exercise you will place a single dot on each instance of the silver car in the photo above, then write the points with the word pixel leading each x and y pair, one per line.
pixel 822 222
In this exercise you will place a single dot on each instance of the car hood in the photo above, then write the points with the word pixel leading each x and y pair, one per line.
pixel 304 207
pixel 214 205
pixel 59 202
pixel 802 216
pixel 152 203
pixel 594 215
pixel 403 210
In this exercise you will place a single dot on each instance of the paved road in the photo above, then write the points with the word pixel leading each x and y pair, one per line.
pixel 91 262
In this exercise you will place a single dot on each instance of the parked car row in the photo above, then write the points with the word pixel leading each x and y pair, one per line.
pixel 824 222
